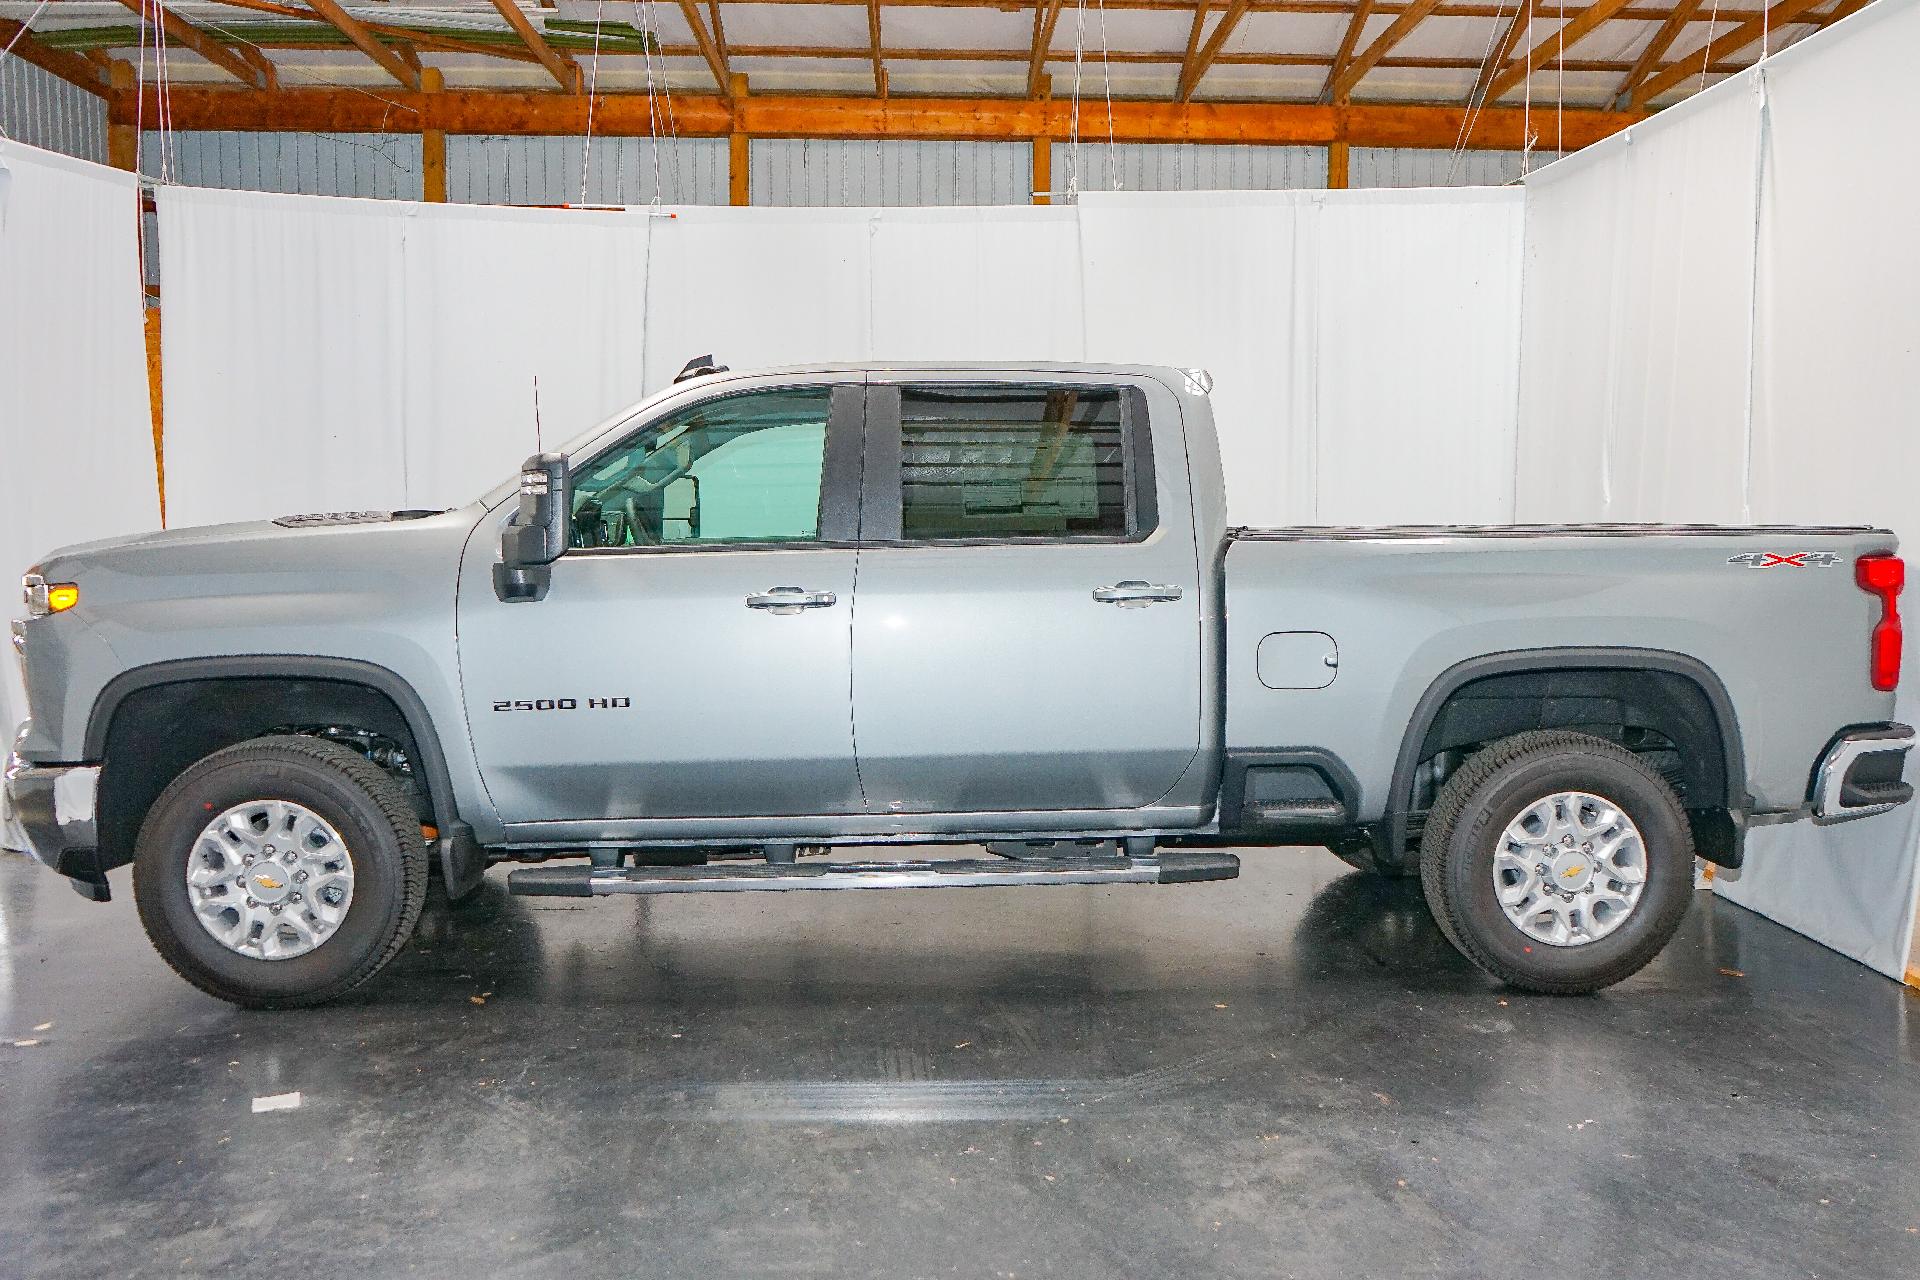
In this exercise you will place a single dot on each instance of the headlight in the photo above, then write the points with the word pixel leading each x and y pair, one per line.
pixel 43 597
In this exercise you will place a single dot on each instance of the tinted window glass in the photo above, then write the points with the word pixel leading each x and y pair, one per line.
pixel 1012 462
pixel 740 469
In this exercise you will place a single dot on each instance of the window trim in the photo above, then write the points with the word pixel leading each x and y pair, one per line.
pixel 881 519
pixel 839 511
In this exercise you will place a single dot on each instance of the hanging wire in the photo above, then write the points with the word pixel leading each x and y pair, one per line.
pixel 666 93
pixel 1079 60
pixel 653 106
pixel 1106 83
pixel 1706 51
pixel 385 149
pixel 1526 103
pixel 1477 101
pixel 593 85
pixel 1560 100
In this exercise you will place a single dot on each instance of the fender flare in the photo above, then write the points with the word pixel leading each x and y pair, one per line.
pixel 1450 681
pixel 426 738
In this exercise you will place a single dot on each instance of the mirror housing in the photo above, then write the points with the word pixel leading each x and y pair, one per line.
pixel 537 533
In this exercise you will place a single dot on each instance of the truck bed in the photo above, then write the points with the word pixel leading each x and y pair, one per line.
pixel 1765 618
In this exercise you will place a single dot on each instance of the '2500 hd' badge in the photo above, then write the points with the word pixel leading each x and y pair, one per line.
pixel 1799 560
pixel 562 704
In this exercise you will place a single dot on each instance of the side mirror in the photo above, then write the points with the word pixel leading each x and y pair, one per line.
pixel 537 534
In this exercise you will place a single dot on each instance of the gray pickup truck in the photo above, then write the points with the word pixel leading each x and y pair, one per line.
pixel 762 616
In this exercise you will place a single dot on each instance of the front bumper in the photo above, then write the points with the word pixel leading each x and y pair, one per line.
pixel 1860 774
pixel 53 806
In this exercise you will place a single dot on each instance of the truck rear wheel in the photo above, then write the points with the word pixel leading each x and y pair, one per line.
pixel 281 872
pixel 1557 862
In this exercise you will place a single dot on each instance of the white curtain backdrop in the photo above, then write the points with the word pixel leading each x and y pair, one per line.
pixel 323 353
pixel 1362 343
pixel 76 435
pixel 327 353
pixel 1720 324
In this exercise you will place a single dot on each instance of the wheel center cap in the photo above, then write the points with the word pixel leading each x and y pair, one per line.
pixel 270 883
pixel 1570 871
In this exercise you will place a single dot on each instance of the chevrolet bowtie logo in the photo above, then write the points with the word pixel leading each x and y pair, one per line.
pixel 1568 874
pixel 266 881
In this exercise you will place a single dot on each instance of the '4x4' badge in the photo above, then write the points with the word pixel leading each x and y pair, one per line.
pixel 1799 560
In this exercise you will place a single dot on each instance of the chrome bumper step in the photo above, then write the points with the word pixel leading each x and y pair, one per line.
pixel 955 873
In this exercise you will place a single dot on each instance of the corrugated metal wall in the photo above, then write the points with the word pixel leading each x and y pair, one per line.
pixel 1404 167
pixel 381 165
pixel 1185 166
pixel 819 172
pixel 42 110
pixel 509 170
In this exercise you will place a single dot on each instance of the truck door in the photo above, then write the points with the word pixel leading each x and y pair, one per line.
pixel 1028 635
pixel 691 657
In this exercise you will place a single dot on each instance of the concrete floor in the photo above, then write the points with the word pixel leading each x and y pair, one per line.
pixel 1287 1075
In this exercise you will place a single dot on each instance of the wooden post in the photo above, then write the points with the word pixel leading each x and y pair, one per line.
pixel 738 176
pixel 123 140
pixel 153 401
pixel 1043 154
pixel 433 146
pixel 1337 166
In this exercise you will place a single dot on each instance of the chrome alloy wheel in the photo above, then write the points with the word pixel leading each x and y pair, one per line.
pixel 270 879
pixel 1570 869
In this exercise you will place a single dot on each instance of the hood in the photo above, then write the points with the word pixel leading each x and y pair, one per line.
pixel 287 544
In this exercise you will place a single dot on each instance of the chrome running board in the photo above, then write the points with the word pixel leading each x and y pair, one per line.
pixel 955 873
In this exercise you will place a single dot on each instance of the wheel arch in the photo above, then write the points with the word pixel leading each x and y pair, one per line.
pixel 1718 823
pixel 363 683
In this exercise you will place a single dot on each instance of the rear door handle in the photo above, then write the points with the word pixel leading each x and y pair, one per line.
pixel 786 600
pixel 1134 594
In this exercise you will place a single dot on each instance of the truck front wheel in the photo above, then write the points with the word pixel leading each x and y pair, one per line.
pixel 284 871
pixel 1557 862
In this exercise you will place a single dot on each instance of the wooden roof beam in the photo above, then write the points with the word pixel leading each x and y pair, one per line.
pixel 1731 43
pixel 1045 14
pixel 472 111
pixel 1509 41
pixel 365 41
pixel 1344 54
pixel 559 65
pixel 74 68
pixel 1412 16
pixel 716 61
pixel 1657 48
pixel 1197 66
pixel 1553 45
pixel 873 38
pixel 255 71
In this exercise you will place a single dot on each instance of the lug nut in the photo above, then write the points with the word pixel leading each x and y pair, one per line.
pixel 299 877
pixel 275 908
pixel 252 903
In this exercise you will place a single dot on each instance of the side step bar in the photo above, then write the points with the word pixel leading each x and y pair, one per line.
pixel 956 873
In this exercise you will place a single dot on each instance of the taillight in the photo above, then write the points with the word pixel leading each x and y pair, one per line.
pixel 1883 575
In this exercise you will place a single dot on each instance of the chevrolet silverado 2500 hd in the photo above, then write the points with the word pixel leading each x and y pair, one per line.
pixel 763 615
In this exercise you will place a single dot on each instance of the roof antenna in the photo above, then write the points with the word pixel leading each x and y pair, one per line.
pixel 538 447
pixel 699 367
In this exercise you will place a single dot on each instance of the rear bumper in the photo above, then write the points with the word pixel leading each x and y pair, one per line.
pixel 54 808
pixel 1860 774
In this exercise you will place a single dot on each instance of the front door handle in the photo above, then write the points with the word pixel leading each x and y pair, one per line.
pixel 786 600
pixel 1134 594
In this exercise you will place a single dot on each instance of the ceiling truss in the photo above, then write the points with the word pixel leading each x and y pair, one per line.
pixel 1648 50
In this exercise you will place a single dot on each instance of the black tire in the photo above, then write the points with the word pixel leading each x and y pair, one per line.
pixel 374 820
pixel 1488 792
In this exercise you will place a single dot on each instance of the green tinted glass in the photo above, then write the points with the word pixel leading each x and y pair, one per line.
pixel 744 468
